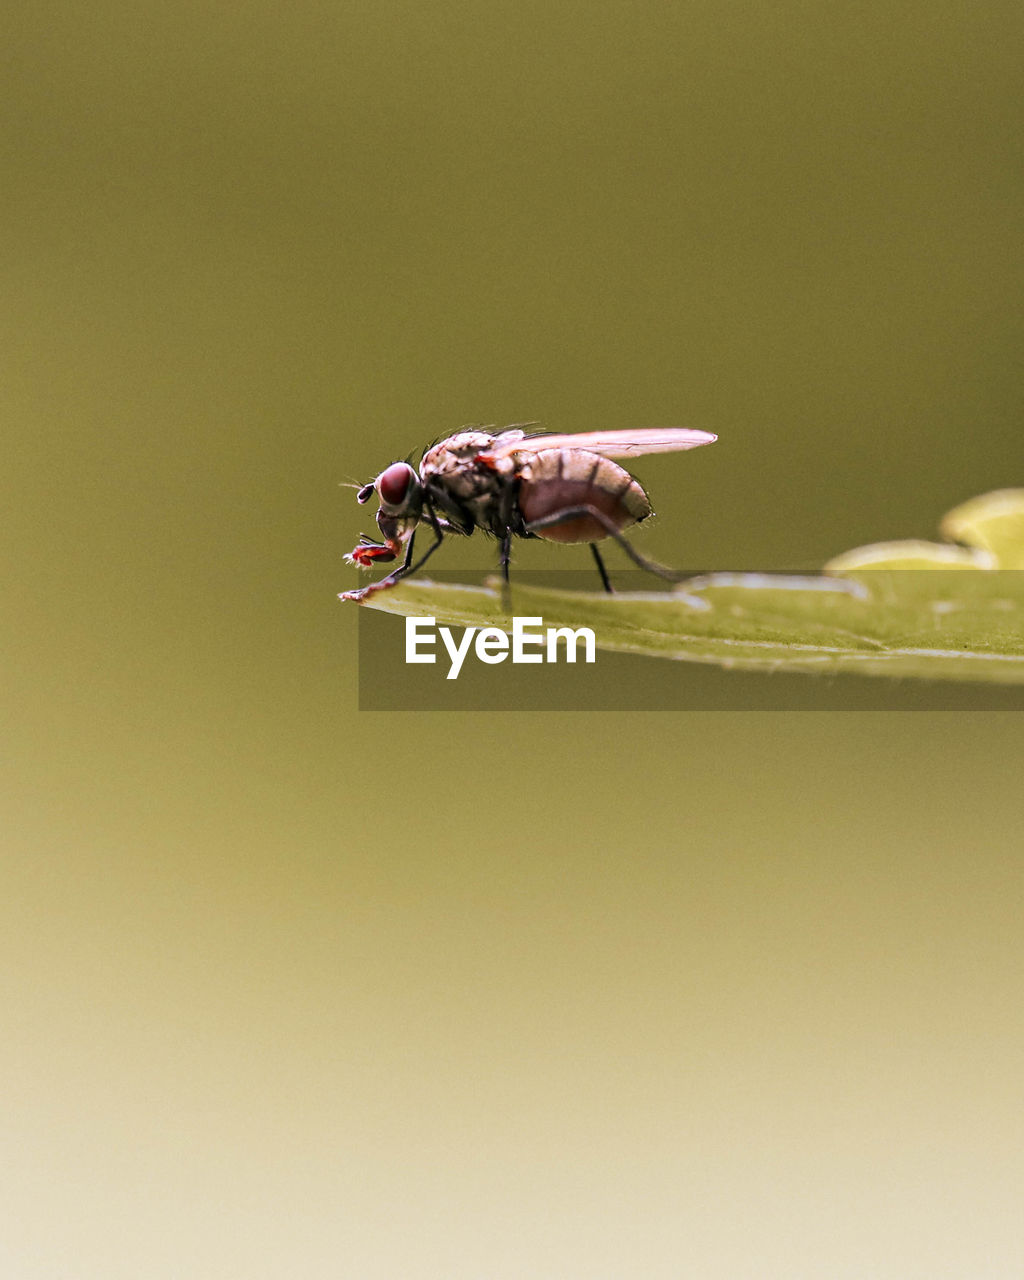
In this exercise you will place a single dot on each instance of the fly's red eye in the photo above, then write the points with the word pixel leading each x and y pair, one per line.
pixel 393 484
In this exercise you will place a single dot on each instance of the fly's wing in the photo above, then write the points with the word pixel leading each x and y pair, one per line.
pixel 609 444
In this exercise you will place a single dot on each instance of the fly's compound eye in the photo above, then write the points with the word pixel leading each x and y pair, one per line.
pixel 395 483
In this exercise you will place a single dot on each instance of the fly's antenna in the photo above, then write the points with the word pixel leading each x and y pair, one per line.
pixel 364 492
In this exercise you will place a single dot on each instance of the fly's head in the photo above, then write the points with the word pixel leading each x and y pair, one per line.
pixel 400 493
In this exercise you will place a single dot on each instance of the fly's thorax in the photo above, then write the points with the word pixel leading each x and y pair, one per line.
pixel 452 466
pixel 563 479
pixel 457 451
pixel 461 449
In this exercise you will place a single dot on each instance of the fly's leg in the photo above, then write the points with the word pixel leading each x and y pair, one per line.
pixel 504 557
pixel 505 522
pixel 403 568
pixel 360 593
pixel 575 513
pixel 506 508
pixel 601 569
pixel 406 567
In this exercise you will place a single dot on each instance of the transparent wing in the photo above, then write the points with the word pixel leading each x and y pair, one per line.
pixel 609 444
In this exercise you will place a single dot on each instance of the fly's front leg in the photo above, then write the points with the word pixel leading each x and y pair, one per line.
pixel 407 566
pixel 361 593
pixel 403 568
pixel 438 527
pixel 575 513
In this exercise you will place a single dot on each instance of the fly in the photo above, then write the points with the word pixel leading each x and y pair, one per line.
pixel 564 488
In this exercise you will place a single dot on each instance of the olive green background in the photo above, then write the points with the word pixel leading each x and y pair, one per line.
pixel 286 990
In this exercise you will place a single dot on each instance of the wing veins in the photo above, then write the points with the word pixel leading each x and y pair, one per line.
pixel 610 444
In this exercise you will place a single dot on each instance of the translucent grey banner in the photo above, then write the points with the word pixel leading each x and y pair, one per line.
pixel 893 640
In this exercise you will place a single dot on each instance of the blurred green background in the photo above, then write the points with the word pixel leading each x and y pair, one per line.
pixel 290 991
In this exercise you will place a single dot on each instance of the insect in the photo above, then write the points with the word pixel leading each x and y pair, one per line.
pixel 512 484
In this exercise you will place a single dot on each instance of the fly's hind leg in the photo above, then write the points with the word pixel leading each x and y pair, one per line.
pixel 601 569
pixel 575 513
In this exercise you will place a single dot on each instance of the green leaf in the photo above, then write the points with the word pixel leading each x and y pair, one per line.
pixel 935 611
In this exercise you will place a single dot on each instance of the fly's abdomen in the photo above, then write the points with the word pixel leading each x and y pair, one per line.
pixel 560 480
